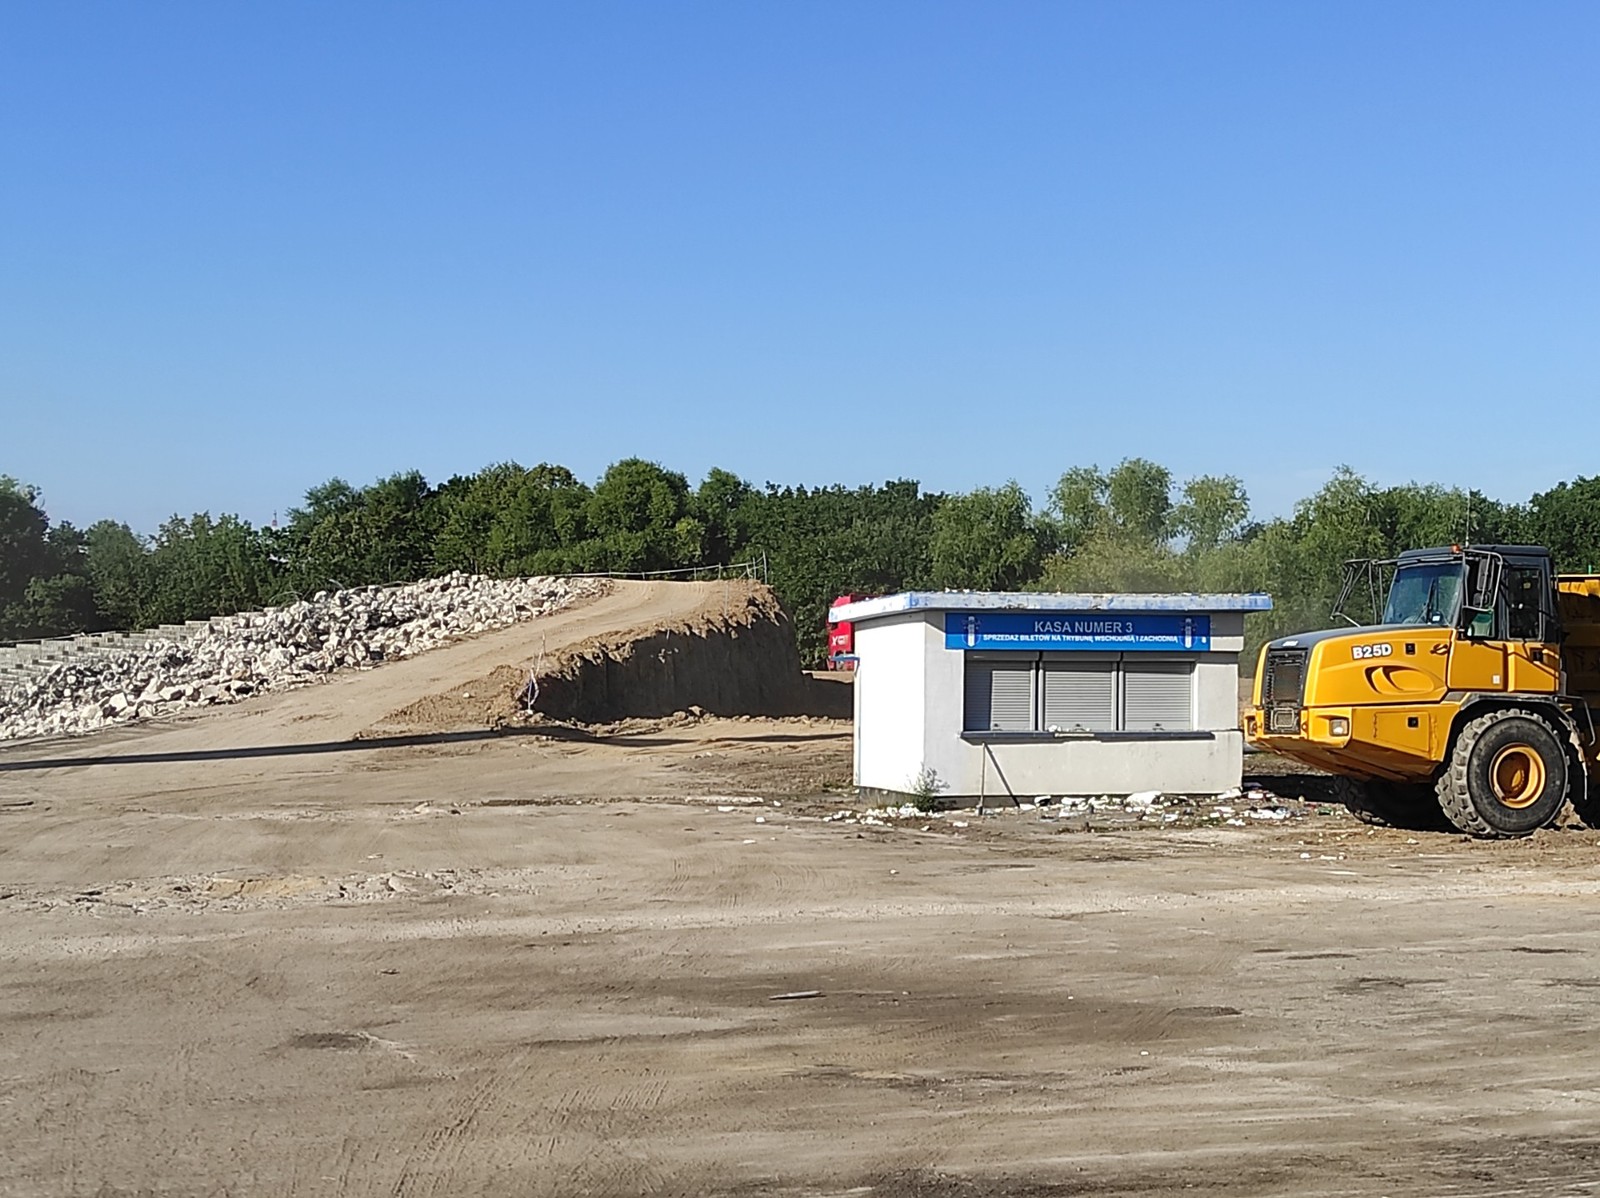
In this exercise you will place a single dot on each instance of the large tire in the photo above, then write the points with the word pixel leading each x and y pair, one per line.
pixel 1395 804
pixel 1362 800
pixel 1415 806
pixel 1586 799
pixel 1507 775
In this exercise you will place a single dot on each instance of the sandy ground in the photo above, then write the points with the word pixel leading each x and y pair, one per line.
pixel 245 955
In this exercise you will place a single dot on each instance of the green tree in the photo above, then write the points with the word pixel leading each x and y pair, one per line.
pixel 1139 498
pixel 1116 527
pixel 44 586
pixel 320 541
pixel 118 565
pixel 1214 510
pixel 1415 515
pixel 1103 530
pixel 1300 560
pixel 506 520
pixel 828 541
pixel 24 549
pixel 346 537
pixel 57 605
pixel 1567 519
pixel 399 521
pixel 640 517
pixel 986 540
pixel 719 504
pixel 203 567
pixel 1110 564
pixel 1132 502
pixel 1079 504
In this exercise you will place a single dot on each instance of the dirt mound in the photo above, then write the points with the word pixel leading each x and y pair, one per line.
pixel 729 650
pixel 738 658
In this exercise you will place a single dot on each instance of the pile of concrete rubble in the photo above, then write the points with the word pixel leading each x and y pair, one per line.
pixel 1237 808
pixel 236 656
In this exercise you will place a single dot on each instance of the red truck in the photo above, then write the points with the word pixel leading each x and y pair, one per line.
pixel 842 638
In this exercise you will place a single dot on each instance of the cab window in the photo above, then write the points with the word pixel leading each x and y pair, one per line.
pixel 1481 625
pixel 1524 596
pixel 1424 594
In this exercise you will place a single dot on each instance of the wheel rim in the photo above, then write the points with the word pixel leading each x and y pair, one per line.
pixel 1517 776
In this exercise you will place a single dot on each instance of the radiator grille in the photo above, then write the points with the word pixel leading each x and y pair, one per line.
pixel 1283 688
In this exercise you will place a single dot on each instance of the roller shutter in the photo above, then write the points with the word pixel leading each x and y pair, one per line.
pixel 999 696
pixel 1080 696
pixel 1158 696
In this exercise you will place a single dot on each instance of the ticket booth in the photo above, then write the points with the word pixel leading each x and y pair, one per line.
pixel 998 693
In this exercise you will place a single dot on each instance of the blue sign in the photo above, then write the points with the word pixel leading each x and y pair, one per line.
pixel 1114 631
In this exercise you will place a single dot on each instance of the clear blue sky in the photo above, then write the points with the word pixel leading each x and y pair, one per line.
pixel 244 248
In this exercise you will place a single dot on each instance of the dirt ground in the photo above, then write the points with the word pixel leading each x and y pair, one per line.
pixel 245 954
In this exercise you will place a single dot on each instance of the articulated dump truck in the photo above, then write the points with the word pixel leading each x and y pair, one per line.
pixel 1474 695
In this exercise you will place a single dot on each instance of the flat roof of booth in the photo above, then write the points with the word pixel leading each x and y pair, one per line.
pixel 893 605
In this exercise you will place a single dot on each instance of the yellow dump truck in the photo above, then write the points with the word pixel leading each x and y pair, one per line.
pixel 1473 695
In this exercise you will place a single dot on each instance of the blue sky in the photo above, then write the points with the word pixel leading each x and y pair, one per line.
pixel 246 248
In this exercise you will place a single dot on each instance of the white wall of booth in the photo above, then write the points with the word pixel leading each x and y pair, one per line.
pixel 1021 694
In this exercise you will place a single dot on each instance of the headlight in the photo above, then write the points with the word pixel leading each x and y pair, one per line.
pixel 1338 726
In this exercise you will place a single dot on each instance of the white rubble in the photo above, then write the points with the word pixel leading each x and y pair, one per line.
pixel 281 647
pixel 1234 808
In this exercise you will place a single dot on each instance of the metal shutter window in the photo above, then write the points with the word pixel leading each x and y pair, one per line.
pixel 1080 696
pixel 999 696
pixel 1158 696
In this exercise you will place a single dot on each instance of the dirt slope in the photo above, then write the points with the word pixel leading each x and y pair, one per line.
pixel 726 647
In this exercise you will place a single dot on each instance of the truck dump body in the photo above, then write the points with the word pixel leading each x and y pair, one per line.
pixel 1578 603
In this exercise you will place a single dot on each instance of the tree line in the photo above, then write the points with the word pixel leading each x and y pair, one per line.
pixel 1132 527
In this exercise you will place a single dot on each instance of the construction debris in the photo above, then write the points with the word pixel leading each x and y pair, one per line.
pixel 233 657
pixel 1233 808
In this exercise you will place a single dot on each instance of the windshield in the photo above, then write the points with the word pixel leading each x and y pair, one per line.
pixel 1428 594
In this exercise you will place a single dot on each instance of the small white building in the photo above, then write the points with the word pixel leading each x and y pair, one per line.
pixel 1022 694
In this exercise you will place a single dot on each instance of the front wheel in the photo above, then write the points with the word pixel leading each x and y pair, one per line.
pixel 1364 801
pixel 1396 804
pixel 1507 775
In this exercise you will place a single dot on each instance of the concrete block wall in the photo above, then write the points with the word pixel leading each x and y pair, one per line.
pixel 27 660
